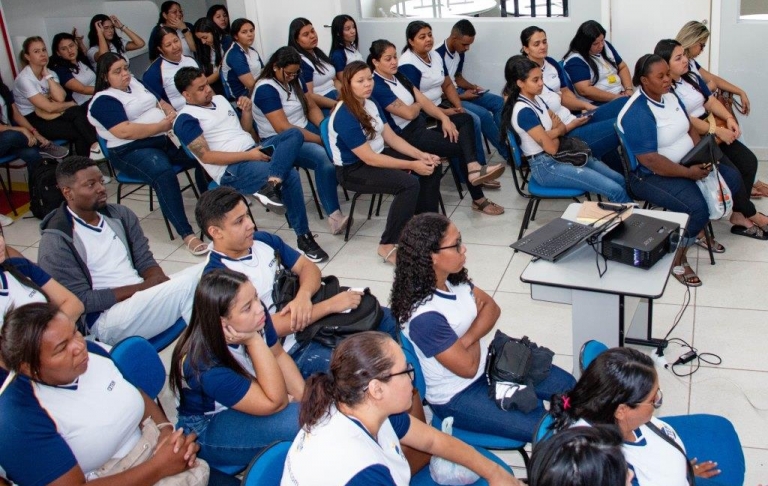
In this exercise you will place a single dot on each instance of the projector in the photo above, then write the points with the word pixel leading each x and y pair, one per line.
pixel 640 241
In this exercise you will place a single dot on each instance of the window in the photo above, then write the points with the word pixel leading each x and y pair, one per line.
pixel 432 9
pixel 754 10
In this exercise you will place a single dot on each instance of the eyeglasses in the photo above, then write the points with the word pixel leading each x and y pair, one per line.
pixel 658 399
pixel 702 45
pixel 409 370
pixel 292 75
pixel 456 245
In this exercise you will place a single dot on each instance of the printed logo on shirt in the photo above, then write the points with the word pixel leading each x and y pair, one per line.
pixel 231 113
pixel 32 293
pixel 273 262
pixel 111 386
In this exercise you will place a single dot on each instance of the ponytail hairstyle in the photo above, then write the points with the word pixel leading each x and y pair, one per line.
pixel 93 34
pixel 615 377
pixel 643 67
pixel 203 343
pixel 517 69
pixel 26 46
pixel 103 65
pixel 412 30
pixel 664 49
pixel 57 61
pixel 347 96
pixel 377 50
pixel 315 55
pixel 525 37
pixel 357 361
pixel 692 33
pixel 280 59
pixel 204 52
pixel 582 43
pixel 337 33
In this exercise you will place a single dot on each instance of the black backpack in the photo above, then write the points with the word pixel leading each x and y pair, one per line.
pixel 44 194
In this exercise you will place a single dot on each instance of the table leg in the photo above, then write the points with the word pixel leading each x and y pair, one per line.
pixel 595 316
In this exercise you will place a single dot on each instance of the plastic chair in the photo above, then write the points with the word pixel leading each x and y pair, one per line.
pixel 629 163
pixel 535 192
pixel 140 364
pixel 476 439
pixel 167 337
pixel 589 351
pixel 327 146
pixel 124 179
pixel 266 469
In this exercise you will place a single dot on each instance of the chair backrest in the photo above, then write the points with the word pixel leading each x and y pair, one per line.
pixel 266 469
pixel 589 351
pixel 324 137
pixel 630 161
pixel 140 364
pixel 410 357
pixel 514 150
pixel 103 146
pixel 543 431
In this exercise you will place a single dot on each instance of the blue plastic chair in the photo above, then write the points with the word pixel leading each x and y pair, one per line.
pixel 124 179
pixel 535 191
pixel 477 439
pixel 140 364
pixel 589 351
pixel 167 337
pixel 266 469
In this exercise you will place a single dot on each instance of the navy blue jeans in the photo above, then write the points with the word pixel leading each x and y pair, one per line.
pixel 152 159
pixel 472 409
pixel 13 142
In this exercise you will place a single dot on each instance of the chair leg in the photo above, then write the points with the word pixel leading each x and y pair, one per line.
pixel 487 145
pixel 168 227
pixel 314 193
pixel 6 191
pixel 378 206
pixel 526 218
pixel 456 179
pixel 192 184
pixel 370 208
pixel 351 215
pixel 535 210
pixel 119 192
pixel 442 206
pixel 151 200
pixel 346 194
pixel 526 459
pixel 710 237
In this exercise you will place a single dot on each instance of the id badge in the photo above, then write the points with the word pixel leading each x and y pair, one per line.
pixel 612 78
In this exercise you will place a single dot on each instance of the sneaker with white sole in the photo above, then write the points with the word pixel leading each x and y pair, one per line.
pixel 53 151
pixel 5 220
pixel 269 197
pixel 309 247
pixel 96 153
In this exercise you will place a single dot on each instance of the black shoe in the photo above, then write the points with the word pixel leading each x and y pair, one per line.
pixel 269 197
pixel 309 247
pixel 53 151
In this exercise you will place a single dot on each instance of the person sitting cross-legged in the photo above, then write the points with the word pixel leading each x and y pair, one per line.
pixel 99 253
pixel 223 216
pixel 208 125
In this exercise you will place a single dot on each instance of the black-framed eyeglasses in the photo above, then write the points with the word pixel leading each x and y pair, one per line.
pixel 456 245
pixel 703 45
pixel 409 370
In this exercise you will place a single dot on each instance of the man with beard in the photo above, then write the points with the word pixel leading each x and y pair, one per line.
pixel 99 252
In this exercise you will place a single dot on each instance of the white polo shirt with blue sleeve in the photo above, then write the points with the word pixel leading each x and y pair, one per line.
pixel 427 76
pixel 159 79
pixel 693 97
pixel 81 73
pixel 239 61
pixel 341 57
pixel 607 75
pixel 345 132
pixel 385 92
pixel 15 293
pixel 321 77
pixel 270 95
pixel 527 114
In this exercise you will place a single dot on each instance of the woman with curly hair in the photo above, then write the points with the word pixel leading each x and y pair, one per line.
pixel 446 317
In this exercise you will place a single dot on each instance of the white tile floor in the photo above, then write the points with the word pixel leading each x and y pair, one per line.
pixel 728 315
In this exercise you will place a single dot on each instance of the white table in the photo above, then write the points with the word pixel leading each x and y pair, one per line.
pixel 615 309
pixel 435 9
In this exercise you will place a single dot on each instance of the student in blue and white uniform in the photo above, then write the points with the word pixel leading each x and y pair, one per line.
pixel 484 106
pixel 427 71
pixel 103 38
pixel 404 103
pixel 281 102
pixel 317 69
pixel 658 131
pixel 598 131
pixel 621 387
pixel 74 70
pixel 448 320
pixel 354 423
pixel 134 124
pixel 172 15
pixel 68 411
pixel 597 71
pixel 538 130
pixel 700 104
pixel 357 132
pixel 219 15
pixel 209 52
pixel 232 374
pixel 344 41
pixel 158 77
pixel 242 62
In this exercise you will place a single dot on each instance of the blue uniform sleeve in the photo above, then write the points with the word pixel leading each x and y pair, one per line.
pixel 237 62
pixel 348 129
pixel 224 385
pixel 382 93
pixel 375 475
pixel 226 43
pixel 288 255
pixel 270 335
pixel 615 53
pixel 338 59
pixel 108 111
pixel 639 127
pixel 704 88
pixel 412 73
pixel 153 79
pixel 267 99
pixel 401 423
pixel 30 270
pixel 460 67
pixel 431 332
pixel 307 72
pixel 578 70
pixel 527 119
pixel 64 73
pixel 187 128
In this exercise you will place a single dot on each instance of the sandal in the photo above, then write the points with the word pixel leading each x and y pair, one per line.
pixel 761 187
pixel 716 247
pixel 486 173
pixel 487 207
pixel 492 185
pixel 390 257
pixel 753 231
pixel 755 194
pixel 197 247
pixel 687 279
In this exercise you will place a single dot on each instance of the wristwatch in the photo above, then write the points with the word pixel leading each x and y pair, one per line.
pixel 185 30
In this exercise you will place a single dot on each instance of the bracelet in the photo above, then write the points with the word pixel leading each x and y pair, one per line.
pixel 185 30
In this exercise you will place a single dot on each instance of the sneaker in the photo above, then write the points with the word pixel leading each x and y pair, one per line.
pixel 6 221
pixel 309 247
pixel 53 151
pixel 96 152
pixel 269 197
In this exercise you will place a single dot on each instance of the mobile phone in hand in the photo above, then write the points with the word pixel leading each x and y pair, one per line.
pixel 588 114
pixel 267 150
pixel 481 91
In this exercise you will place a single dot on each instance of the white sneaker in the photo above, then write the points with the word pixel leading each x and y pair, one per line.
pixel 5 220
pixel 96 152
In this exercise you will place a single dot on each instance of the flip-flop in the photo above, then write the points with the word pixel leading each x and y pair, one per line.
pixel 753 231
pixel 487 173
pixel 199 249
pixel 716 247
pixel 686 279
pixel 488 207
pixel 756 194
pixel 761 187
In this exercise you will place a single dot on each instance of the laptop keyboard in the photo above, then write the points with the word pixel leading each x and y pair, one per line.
pixel 565 240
